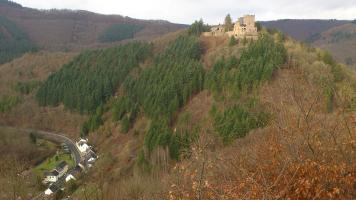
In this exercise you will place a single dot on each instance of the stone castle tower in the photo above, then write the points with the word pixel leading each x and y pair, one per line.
pixel 244 27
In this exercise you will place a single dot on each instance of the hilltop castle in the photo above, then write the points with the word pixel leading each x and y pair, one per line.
pixel 244 28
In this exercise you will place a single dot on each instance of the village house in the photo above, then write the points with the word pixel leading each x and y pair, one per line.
pixel 52 189
pixel 244 27
pixel 73 174
pixel 70 177
pixel 83 146
pixel 51 177
pixel 55 174
pixel 90 158
pixel 62 168
pixel 217 30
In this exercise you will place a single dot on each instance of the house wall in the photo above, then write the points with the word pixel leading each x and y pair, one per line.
pixel 48 192
pixel 51 179
pixel 65 169
pixel 218 30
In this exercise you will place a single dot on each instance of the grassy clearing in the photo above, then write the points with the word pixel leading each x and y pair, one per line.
pixel 51 162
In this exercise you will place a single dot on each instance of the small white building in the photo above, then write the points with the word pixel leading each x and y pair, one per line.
pixel 52 189
pixel 51 177
pixel 48 191
pixel 55 174
pixel 83 145
pixel 70 177
pixel 91 160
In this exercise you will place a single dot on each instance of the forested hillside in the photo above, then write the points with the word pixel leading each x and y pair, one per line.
pixel 13 41
pixel 166 83
pixel 232 79
pixel 265 109
pixel 165 87
pixel 20 80
pixel 92 77
pixel 195 117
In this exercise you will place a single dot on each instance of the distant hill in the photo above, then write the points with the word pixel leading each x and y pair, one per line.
pixel 340 41
pixel 9 3
pixel 69 29
pixel 13 41
pixel 303 29
pixel 336 36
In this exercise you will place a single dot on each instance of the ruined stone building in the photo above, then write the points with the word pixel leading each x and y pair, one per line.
pixel 244 28
pixel 217 30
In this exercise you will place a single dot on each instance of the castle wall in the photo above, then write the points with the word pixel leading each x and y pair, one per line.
pixel 244 28
pixel 249 20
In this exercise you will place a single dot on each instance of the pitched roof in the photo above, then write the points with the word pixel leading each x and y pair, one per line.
pixel 52 173
pixel 54 188
pixel 61 166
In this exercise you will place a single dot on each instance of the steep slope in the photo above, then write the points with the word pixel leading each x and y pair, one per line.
pixel 340 41
pixel 302 29
pixel 19 154
pixel 303 147
pixel 19 81
pixel 13 41
pixel 67 29
pixel 305 111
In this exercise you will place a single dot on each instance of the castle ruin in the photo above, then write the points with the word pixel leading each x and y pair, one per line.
pixel 244 28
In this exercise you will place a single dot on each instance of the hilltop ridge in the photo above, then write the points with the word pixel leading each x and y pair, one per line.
pixel 76 29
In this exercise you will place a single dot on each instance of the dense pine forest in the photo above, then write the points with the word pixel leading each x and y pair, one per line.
pixel 256 64
pixel 175 75
pixel 233 79
pixel 92 77
pixel 165 87
pixel 13 41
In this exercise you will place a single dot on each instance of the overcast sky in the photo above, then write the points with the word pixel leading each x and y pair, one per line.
pixel 212 11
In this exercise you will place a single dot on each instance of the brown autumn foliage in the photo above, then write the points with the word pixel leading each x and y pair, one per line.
pixel 36 67
pixel 305 153
pixel 18 155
